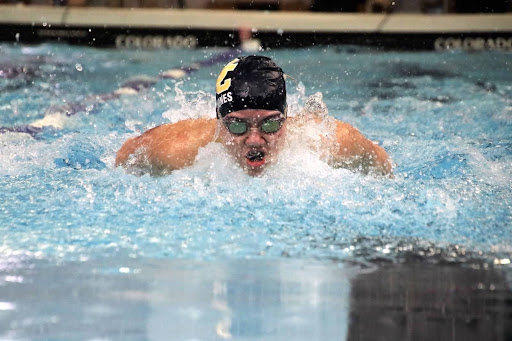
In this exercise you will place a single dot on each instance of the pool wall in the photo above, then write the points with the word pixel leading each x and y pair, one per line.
pixel 189 28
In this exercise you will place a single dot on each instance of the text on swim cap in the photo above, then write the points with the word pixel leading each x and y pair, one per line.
pixel 227 97
pixel 224 83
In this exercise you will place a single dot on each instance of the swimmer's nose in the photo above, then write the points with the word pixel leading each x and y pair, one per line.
pixel 254 137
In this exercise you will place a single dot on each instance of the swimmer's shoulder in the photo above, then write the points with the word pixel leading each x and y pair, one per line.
pixel 348 147
pixel 183 127
pixel 169 146
pixel 201 129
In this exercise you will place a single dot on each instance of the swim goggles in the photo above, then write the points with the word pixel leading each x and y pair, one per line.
pixel 269 125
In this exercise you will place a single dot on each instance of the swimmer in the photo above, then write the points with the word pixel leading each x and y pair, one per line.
pixel 253 126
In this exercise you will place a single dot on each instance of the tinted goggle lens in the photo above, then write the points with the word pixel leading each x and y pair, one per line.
pixel 237 127
pixel 271 126
pixel 268 126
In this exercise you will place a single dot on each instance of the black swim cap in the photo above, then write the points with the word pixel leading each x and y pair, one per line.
pixel 252 82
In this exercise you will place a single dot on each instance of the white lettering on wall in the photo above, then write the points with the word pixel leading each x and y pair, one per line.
pixel 155 41
pixel 473 44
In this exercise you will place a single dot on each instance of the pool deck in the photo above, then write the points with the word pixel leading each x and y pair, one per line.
pixel 189 28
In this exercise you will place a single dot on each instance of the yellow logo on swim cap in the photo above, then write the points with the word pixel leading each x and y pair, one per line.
pixel 224 84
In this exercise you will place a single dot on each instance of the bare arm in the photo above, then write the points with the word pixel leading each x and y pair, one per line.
pixel 167 147
pixel 355 151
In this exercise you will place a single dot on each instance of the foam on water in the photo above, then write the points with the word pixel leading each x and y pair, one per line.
pixel 448 134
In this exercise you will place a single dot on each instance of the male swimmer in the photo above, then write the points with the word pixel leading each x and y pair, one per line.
pixel 252 125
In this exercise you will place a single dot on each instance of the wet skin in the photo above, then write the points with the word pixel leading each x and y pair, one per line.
pixel 253 150
pixel 165 148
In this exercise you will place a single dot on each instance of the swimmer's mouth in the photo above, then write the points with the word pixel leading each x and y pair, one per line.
pixel 255 158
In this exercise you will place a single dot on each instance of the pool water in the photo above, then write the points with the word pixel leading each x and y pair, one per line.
pixel 138 248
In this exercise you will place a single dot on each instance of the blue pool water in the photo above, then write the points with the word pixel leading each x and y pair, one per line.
pixel 445 118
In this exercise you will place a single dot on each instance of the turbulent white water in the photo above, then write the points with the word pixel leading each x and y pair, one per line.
pixel 445 122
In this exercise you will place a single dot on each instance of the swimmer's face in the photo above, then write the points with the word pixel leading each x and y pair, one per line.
pixel 257 146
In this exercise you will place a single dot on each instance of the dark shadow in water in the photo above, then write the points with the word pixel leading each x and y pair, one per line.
pixel 408 69
pixel 399 82
pixel 430 302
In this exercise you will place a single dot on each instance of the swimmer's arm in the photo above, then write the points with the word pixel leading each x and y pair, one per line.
pixel 353 150
pixel 167 147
